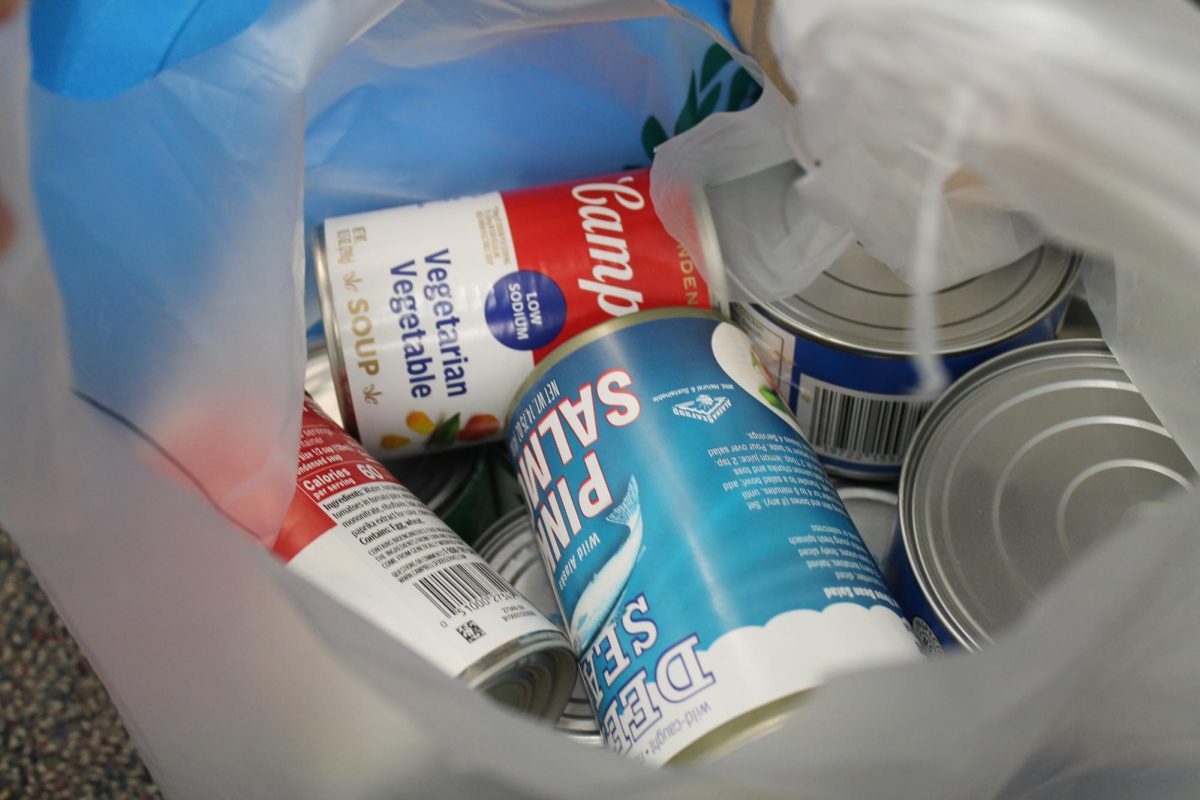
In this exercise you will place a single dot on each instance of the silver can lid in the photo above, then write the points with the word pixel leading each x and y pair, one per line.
pixel 1024 464
pixel 873 512
pixel 509 546
pixel 860 304
pixel 438 479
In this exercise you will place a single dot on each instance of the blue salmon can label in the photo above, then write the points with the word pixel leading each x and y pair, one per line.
pixel 704 564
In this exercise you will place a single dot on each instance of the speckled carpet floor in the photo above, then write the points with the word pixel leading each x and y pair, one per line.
pixel 60 734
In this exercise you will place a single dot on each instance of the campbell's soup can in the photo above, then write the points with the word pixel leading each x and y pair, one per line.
pixel 355 532
pixel 707 571
pixel 436 312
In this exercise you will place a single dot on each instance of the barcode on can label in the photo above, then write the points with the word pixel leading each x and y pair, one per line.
pixel 453 588
pixel 355 532
pixel 859 427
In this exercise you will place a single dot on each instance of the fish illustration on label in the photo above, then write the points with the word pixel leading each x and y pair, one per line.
pixel 599 597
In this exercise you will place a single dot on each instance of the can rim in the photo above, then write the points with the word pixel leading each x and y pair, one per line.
pixel 500 532
pixel 710 250
pixel 583 339
pixel 456 474
pixel 520 657
pixel 333 338
pixel 872 493
pixel 798 326
pixel 938 412
pixel 510 536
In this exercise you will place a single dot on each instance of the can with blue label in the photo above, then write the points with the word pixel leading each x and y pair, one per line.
pixel 841 351
pixel 1020 468
pixel 708 573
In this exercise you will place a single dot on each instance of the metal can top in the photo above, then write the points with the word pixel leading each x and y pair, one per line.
pixel 860 304
pixel 710 250
pixel 509 546
pixel 1021 466
pixel 873 511
pixel 438 479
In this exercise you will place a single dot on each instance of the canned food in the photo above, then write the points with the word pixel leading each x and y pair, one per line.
pixel 356 533
pixel 1022 466
pixel 456 485
pixel 708 573
pixel 435 312
pixel 504 480
pixel 509 546
pixel 841 350
pixel 873 511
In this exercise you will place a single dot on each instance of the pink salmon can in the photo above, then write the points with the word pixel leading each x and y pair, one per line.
pixel 434 313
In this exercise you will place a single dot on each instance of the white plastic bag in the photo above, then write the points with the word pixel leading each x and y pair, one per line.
pixel 136 521
pixel 963 130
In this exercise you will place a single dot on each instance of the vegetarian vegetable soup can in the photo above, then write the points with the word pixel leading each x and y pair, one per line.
pixel 368 542
pixel 435 312
pixel 707 570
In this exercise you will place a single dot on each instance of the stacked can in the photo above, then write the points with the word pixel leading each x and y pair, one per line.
pixel 841 350
pixel 1019 468
pixel 435 312
pixel 873 510
pixel 707 571
pixel 356 533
